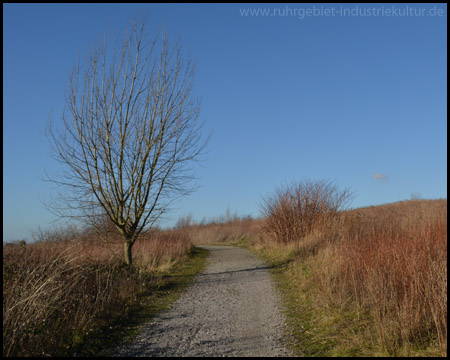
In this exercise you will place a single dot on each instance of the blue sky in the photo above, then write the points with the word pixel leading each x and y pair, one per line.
pixel 357 99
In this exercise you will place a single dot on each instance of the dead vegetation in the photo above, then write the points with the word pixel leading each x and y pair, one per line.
pixel 64 288
pixel 378 275
pixel 386 265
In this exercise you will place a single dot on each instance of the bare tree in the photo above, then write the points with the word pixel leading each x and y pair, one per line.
pixel 130 133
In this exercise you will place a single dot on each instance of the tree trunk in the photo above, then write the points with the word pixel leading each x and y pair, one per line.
pixel 127 247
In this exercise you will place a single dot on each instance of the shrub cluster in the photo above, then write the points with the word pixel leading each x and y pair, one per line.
pixel 294 210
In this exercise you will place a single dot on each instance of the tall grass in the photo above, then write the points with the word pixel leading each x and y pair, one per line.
pixel 389 261
pixel 224 232
pixel 393 261
pixel 160 250
pixel 386 265
pixel 64 288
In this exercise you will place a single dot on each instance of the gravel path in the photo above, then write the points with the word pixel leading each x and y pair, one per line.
pixel 230 310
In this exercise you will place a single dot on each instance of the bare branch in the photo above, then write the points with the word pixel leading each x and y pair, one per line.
pixel 130 132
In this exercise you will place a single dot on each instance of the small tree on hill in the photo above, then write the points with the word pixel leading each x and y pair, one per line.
pixel 129 134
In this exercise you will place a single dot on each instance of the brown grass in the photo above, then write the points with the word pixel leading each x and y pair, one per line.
pixel 226 232
pixel 387 264
pixel 393 261
pixel 59 291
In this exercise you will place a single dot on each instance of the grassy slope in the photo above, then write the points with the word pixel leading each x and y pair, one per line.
pixel 318 324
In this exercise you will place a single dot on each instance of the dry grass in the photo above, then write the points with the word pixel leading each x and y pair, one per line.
pixel 160 250
pixel 377 274
pixel 393 261
pixel 390 262
pixel 59 291
pixel 373 278
pixel 226 232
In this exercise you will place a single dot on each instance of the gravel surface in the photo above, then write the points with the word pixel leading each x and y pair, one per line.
pixel 231 309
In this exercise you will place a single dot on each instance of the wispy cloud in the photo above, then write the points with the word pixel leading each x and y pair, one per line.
pixel 380 177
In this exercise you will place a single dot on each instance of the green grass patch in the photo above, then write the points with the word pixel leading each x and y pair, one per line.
pixel 314 330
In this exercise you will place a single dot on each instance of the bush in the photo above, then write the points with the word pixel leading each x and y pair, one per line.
pixel 386 263
pixel 294 210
